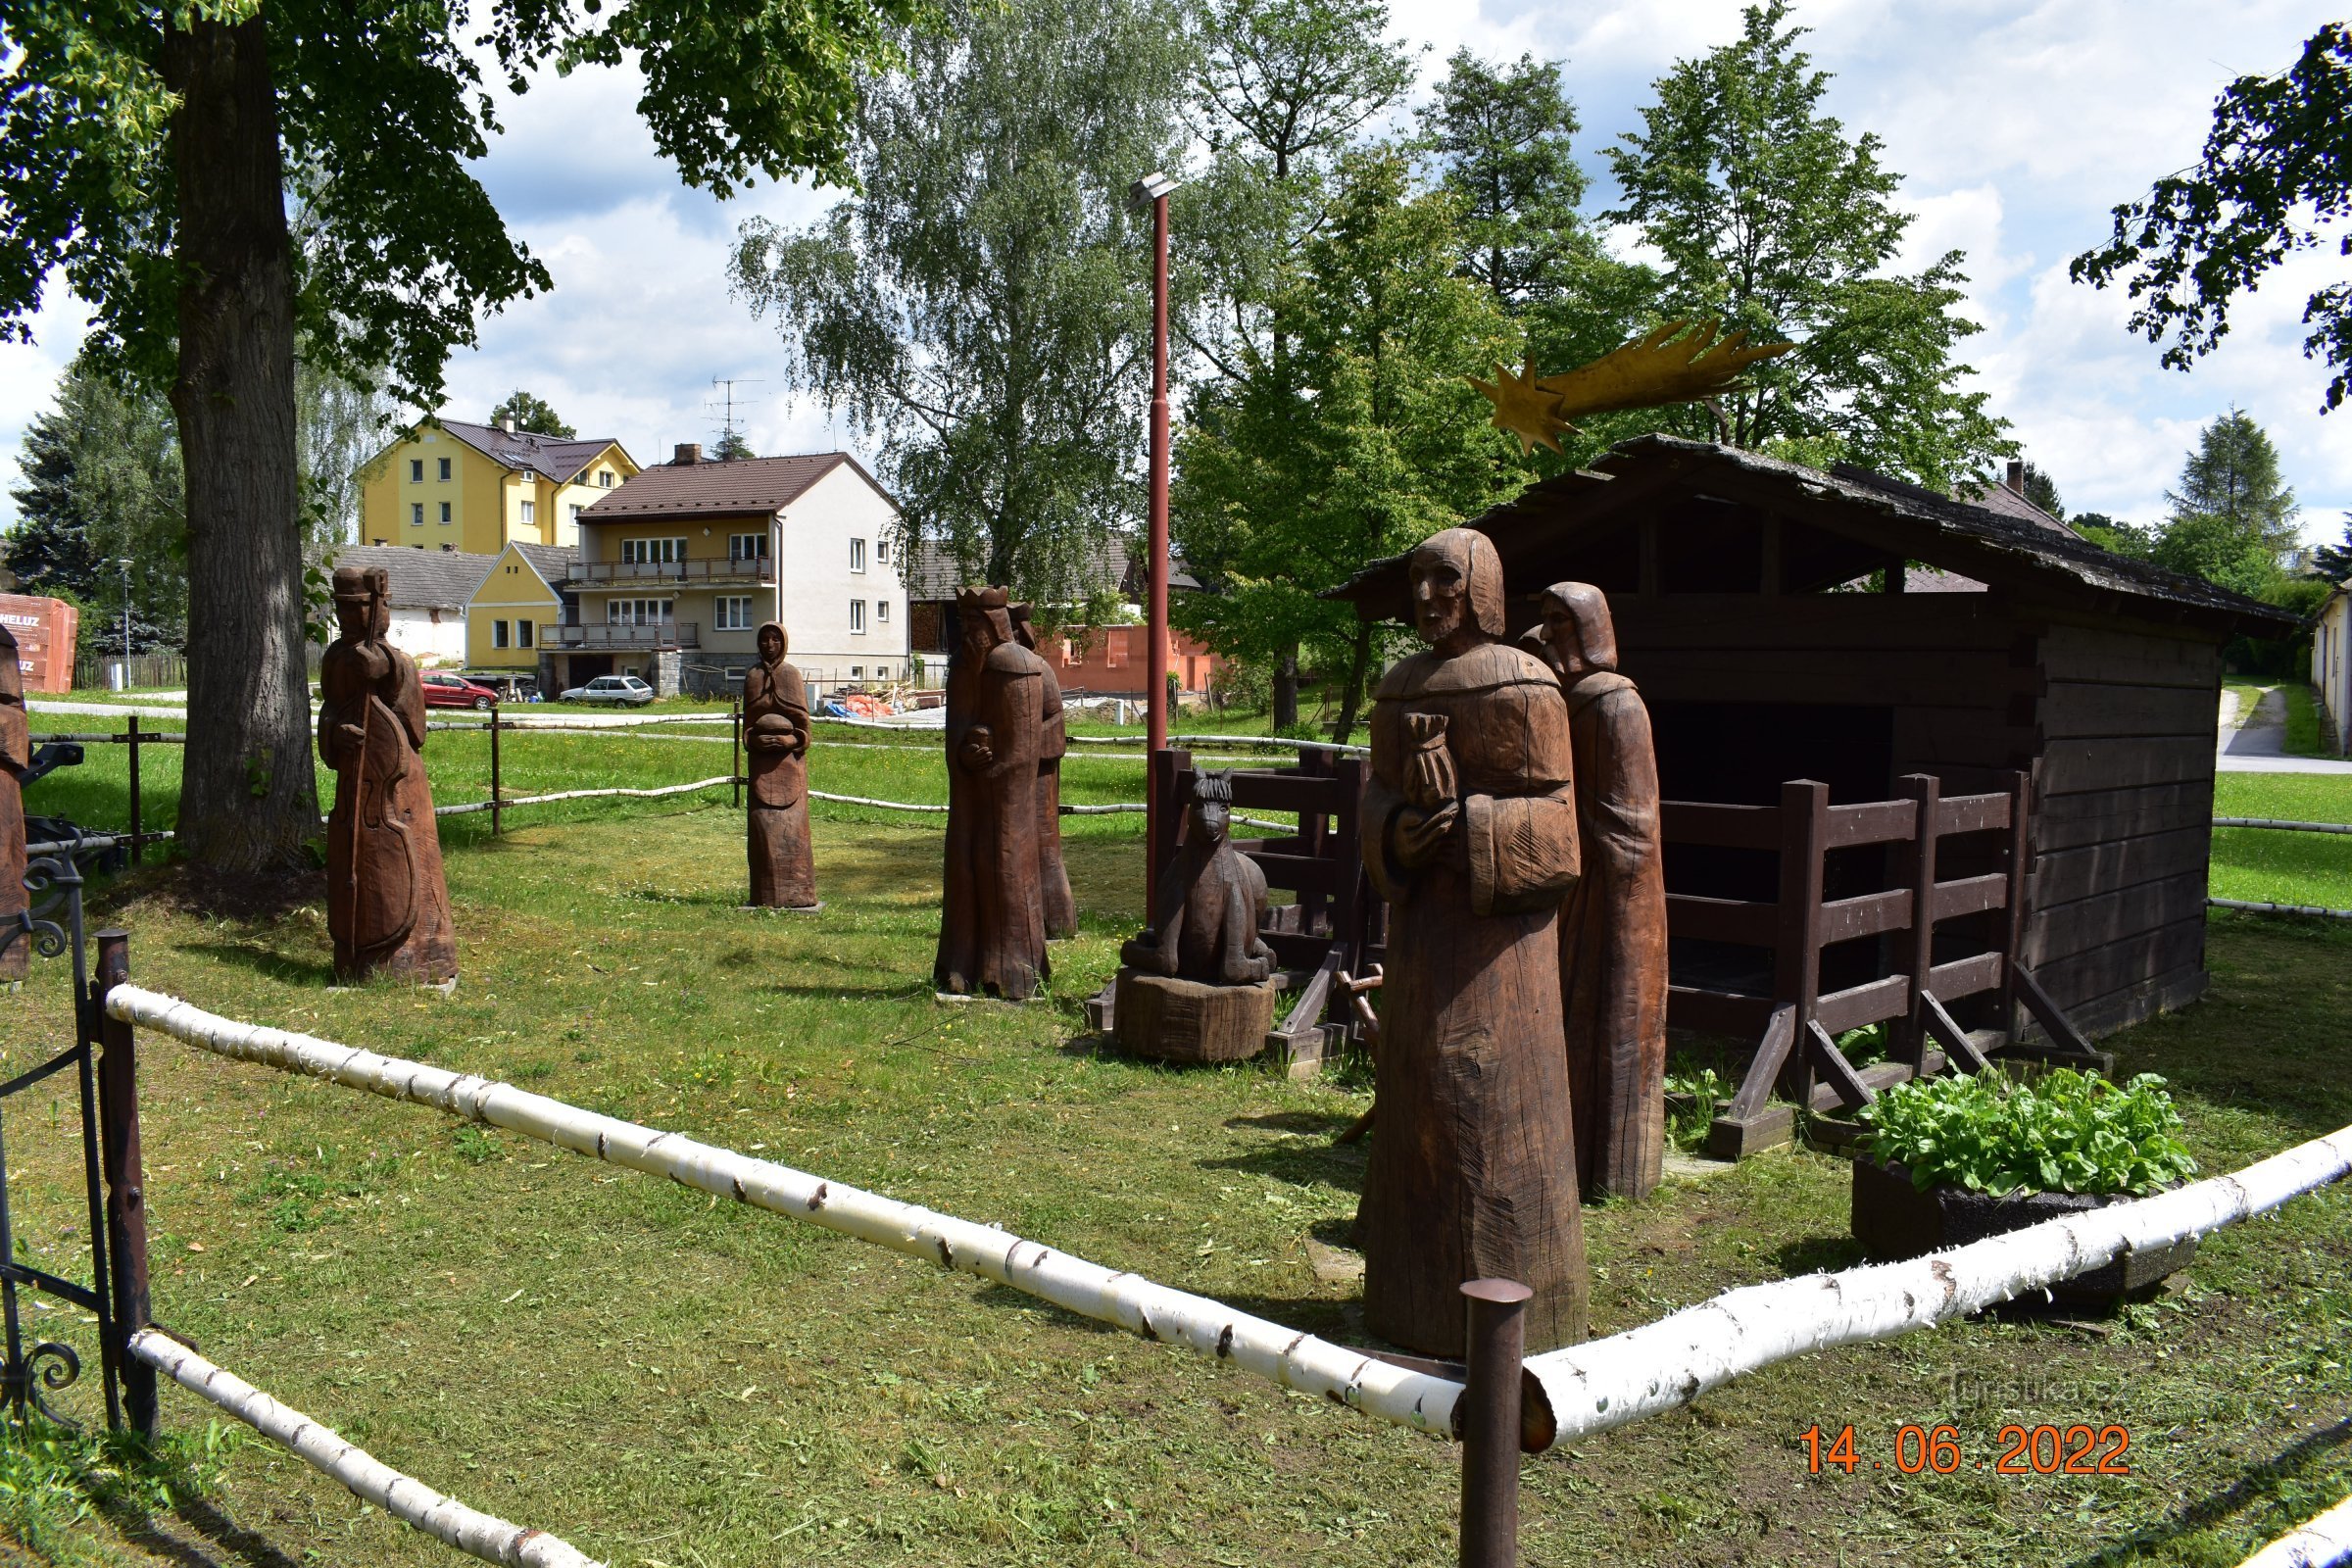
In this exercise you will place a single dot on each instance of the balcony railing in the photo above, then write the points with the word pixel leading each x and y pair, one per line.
pixel 624 634
pixel 730 568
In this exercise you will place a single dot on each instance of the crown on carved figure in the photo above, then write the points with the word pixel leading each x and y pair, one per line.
pixel 969 598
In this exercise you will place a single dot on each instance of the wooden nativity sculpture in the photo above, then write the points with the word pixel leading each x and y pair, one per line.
pixel 1054 877
pixel 387 905
pixel 776 735
pixel 1199 985
pixel 992 927
pixel 1613 930
pixel 1470 833
pixel 16 755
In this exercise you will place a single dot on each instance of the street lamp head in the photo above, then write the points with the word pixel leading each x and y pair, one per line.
pixel 1149 189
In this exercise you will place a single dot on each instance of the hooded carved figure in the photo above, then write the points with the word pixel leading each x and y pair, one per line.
pixel 1613 930
pixel 1054 877
pixel 992 926
pixel 775 740
pixel 1470 835
pixel 387 905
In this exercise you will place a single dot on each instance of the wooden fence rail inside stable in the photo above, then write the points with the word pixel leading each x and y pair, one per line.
pixel 1795 1023
pixel 404 1498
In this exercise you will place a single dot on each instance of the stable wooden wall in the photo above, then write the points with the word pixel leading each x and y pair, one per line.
pixel 2122 825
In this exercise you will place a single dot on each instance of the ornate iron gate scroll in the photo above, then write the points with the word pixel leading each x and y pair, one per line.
pixel 53 927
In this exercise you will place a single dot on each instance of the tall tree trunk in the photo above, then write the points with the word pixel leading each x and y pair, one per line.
pixel 248 797
pixel 1353 699
pixel 1285 689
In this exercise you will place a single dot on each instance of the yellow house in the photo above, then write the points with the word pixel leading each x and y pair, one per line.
pixel 515 604
pixel 477 488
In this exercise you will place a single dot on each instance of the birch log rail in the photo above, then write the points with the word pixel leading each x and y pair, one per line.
pixel 1612 1381
pixel 469 1529
pixel 1280 1355
pixel 2323 1540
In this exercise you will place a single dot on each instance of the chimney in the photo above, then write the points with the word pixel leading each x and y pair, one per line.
pixel 688 453
pixel 506 423
pixel 446 549
pixel 2017 476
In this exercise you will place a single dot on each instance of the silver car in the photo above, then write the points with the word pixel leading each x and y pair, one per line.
pixel 620 690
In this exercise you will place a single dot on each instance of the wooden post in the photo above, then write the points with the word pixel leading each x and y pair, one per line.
pixel 498 790
pixel 131 739
pixel 1490 1423
pixel 1162 829
pixel 2013 917
pixel 1924 791
pixel 735 751
pixel 1797 955
pixel 126 1183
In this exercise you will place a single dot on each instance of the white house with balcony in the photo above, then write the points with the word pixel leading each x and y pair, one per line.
pixel 680 564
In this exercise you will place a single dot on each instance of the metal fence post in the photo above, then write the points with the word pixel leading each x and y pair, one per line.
pixel 1497 1340
pixel 126 1182
pixel 137 838
pixel 498 790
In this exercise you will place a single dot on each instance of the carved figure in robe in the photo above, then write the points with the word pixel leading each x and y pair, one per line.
pixel 992 928
pixel 775 736
pixel 387 904
pixel 16 755
pixel 1613 930
pixel 1054 877
pixel 1212 902
pixel 1470 834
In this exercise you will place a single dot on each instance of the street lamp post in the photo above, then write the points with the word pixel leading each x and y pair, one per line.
pixel 1153 190
pixel 124 563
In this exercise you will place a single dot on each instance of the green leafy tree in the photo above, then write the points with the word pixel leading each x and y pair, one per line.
pixel 1285 88
pixel 2276 176
pixel 2042 491
pixel 530 411
pixel 2333 562
pixel 1392 443
pixel 1770 217
pixel 2115 535
pixel 148 151
pixel 982 306
pixel 49 549
pixel 2234 515
pixel 731 447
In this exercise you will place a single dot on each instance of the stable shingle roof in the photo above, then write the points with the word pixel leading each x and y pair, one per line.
pixel 714 488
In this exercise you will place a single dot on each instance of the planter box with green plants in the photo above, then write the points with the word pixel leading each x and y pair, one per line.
pixel 1945 1161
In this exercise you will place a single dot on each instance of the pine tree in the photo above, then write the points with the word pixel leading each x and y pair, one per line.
pixel 49 550
pixel 2233 476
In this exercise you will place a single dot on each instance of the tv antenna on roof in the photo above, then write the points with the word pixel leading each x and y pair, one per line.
pixel 726 429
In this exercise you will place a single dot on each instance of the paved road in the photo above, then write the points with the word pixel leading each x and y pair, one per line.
pixel 2258 745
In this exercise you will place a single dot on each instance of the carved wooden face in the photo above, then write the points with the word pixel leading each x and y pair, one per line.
pixel 1211 819
pixel 1440 595
pixel 771 642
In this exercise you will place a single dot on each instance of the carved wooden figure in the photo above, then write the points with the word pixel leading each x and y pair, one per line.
pixel 992 928
pixel 1212 902
pixel 1054 877
pixel 387 905
pixel 1470 834
pixel 16 755
pixel 776 735
pixel 1613 930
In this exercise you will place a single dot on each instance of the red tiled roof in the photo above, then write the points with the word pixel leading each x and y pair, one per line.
pixel 747 485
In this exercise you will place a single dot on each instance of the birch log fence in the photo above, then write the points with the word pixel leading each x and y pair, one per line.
pixel 2323 1540
pixel 1570 1392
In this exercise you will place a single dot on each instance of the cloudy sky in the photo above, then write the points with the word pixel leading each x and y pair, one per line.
pixel 2017 127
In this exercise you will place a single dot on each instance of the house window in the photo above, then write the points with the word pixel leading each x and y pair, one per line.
pixel 857 673
pixel 857 554
pixel 652 551
pixel 882 610
pixel 575 511
pixel 416 470
pixel 733 613
pixel 857 615
pixel 498 634
pixel 445 512
pixel 416 513
pixel 522 634
pixel 747 547
pixel 445 469
pixel 882 552
pixel 531 511
pixel 604 478
pixel 636 611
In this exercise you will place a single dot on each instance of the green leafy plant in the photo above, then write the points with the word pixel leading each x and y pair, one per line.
pixel 1687 1121
pixel 2070 1132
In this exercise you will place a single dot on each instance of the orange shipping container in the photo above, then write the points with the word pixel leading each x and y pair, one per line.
pixel 44 631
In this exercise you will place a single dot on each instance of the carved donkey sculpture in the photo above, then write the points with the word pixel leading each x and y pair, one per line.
pixel 1213 901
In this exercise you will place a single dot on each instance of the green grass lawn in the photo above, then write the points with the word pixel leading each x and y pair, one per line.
pixel 2304 737
pixel 667 1381
pixel 2270 866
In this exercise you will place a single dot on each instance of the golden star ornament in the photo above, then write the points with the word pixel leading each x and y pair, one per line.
pixel 1523 407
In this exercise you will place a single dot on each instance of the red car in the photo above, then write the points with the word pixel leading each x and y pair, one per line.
pixel 443 690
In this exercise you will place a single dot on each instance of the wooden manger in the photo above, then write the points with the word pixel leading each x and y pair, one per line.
pixel 1334 923
pixel 1885 962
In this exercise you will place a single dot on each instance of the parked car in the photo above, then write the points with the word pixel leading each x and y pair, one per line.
pixel 620 690
pixel 444 690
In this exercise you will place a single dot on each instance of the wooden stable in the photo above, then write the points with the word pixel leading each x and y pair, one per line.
pixel 1333 923
pixel 1784 623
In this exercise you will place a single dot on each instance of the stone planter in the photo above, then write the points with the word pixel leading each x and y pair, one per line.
pixel 1893 1219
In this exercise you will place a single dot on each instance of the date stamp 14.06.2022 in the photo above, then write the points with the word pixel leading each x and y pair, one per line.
pixel 2016 1449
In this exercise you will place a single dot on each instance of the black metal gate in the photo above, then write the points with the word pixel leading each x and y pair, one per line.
pixel 52 926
